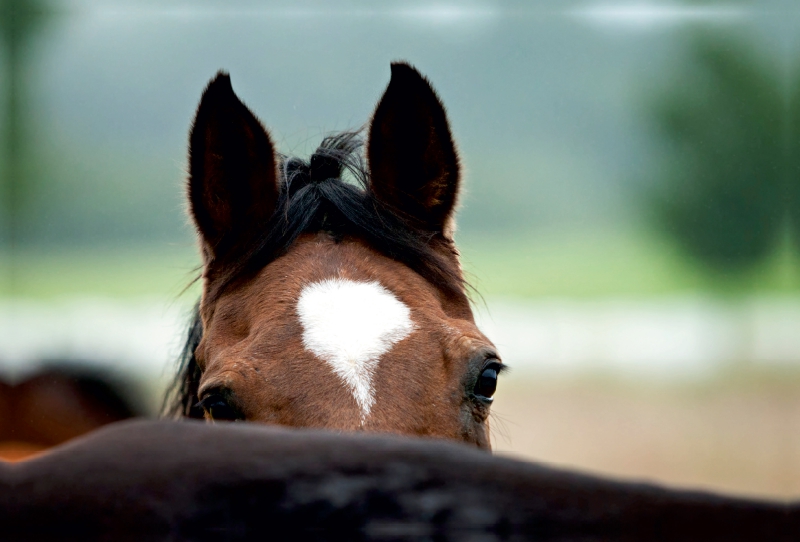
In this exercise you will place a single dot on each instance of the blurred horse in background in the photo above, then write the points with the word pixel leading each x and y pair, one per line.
pixel 56 404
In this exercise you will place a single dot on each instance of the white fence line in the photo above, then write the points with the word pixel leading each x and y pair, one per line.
pixel 679 336
pixel 669 337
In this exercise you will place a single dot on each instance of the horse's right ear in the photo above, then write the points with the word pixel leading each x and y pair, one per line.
pixel 412 158
pixel 233 187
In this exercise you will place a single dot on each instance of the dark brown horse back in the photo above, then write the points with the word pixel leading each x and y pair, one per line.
pixel 191 481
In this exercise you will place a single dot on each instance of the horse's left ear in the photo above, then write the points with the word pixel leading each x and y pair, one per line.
pixel 412 159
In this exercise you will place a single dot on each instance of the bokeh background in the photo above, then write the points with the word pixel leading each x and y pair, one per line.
pixel 631 216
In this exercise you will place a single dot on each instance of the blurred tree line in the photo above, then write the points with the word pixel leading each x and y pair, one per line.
pixel 730 189
pixel 19 21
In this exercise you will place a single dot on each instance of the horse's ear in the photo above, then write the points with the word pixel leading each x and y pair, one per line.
pixel 413 161
pixel 233 186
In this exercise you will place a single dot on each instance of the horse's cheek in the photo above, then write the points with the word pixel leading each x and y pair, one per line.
pixel 474 427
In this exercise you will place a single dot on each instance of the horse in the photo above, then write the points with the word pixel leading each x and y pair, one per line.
pixel 328 305
pixel 332 292
pixel 56 404
pixel 192 481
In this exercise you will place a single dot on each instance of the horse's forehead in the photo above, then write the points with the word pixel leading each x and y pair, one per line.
pixel 349 325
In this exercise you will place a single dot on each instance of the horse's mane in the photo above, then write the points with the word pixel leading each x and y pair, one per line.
pixel 314 197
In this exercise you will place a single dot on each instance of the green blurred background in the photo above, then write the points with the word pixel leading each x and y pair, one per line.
pixel 631 213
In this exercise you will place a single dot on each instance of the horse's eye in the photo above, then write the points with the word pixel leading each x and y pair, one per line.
pixel 487 381
pixel 218 408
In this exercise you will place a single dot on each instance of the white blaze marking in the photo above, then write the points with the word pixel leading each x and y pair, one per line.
pixel 350 325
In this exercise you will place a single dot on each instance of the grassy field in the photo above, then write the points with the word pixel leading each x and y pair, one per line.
pixel 125 272
pixel 604 263
pixel 561 264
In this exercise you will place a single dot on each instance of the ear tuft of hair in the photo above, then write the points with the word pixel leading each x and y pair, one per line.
pixel 219 85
